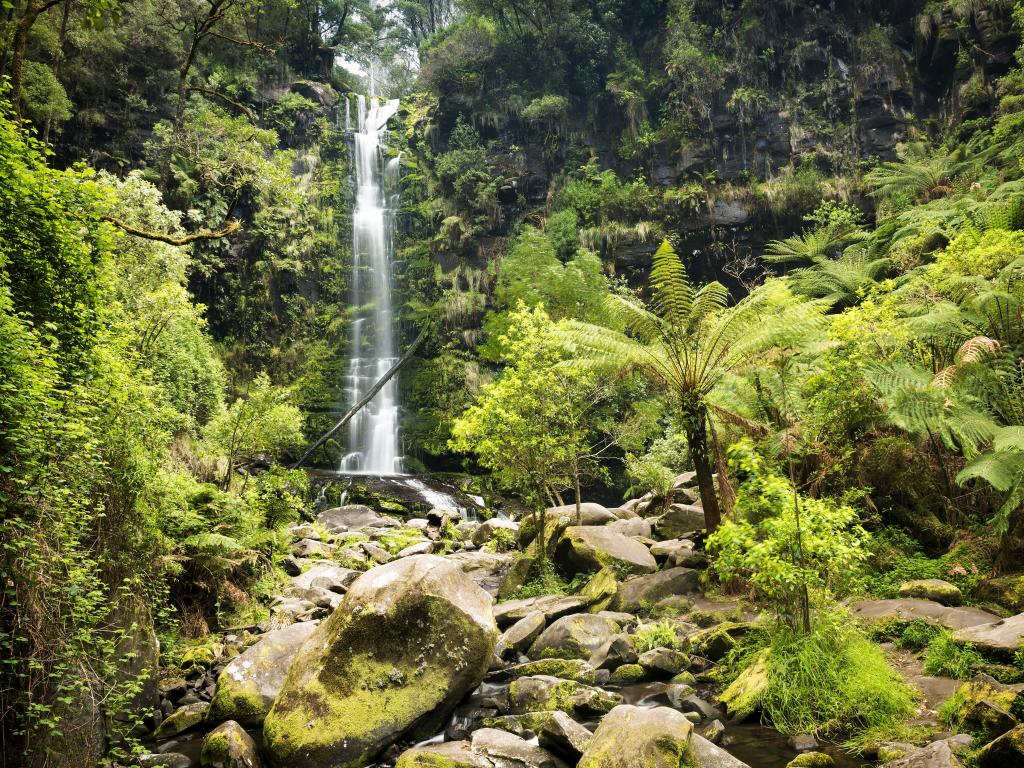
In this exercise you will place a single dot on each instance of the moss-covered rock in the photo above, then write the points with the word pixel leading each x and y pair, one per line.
pixel 574 637
pixel 932 589
pixel 1007 591
pixel 248 685
pixel 542 693
pixel 713 643
pixel 642 593
pixel 229 746
pixel 408 641
pixel 181 720
pixel 567 669
pixel 811 760
pixel 743 696
pixel 587 548
pixel 600 589
pixel 982 707
pixel 630 736
pixel 1007 750
pixel 452 754
pixel 626 674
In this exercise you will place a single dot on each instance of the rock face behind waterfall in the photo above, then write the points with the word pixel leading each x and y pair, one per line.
pixel 407 642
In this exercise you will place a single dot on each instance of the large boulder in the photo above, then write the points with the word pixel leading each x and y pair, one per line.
pixel 449 754
pixel 325 575
pixel 486 569
pixel 520 635
pixel 574 637
pixel 938 754
pixel 1003 637
pixel 552 606
pixel 629 736
pixel 248 685
pixel 642 592
pixel 353 517
pixel 932 589
pixel 488 529
pixel 543 693
pixel 229 746
pixel 409 640
pixel 911 609
pixel 589 548
pixel 705 754
pixel 1007 750
pixel 679 520
pixel 510 751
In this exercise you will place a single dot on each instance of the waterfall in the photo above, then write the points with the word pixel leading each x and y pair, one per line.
pixel 373 432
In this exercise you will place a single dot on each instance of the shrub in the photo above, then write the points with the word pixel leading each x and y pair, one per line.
pixel 659 635
pixel 948 658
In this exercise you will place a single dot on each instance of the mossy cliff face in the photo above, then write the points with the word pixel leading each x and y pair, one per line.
pixel 407 642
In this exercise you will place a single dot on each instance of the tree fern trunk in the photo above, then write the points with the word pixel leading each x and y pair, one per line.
pixel 697 436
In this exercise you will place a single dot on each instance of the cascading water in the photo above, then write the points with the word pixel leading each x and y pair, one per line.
pixel 373 431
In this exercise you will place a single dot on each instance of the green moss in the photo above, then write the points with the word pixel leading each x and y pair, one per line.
pixel 601 589
pixel 237 701
pixel 811 760
pixel 965 710
pixel 743 696
pixel 567 669
pixel 626 674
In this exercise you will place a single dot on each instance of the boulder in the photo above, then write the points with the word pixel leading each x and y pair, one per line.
pixel 543 693
pixel 600 589
pixel 409 640
pixel 489 528
pixel 706 754
pixel 743 696
pixel 628 736
pixel 573 637
pixel 353 517
pixel 510 751
pixel 664 662
pixel 678 520
pixel 1002 637
pixel 486 569
pixel 938 754
pixel 552 606
pixel 1007 591
pixel 450 754
pixel 325 575
pixel 932 589
pixel 636 526
pixel 928 611
pixel 248 685
pixel 643 592
pixel 615 652
pixel 531 556
pixel 590 548
pixel 423 548
pixel 562 735
pixel 229 746
pixel 520 635
pixel 567 669
pixel 188 716
pixel 1005 751
pixel 811 760
pixel 164 760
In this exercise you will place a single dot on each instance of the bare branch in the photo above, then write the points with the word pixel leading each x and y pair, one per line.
pixel 233 226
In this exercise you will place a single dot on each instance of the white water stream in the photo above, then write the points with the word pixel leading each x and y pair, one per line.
pixel 373 431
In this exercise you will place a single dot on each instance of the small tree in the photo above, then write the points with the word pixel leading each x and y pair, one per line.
pixel 262 424
pixel 786 545
pixel 528 427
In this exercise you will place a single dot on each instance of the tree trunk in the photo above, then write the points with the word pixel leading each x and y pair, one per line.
pixel 579 510
pixel 697 436
pixel 18 45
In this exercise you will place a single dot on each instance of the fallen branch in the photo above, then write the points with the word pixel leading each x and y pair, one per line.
pixel 367 397
pixel 225 98
pixel 233 226
pixel 246 43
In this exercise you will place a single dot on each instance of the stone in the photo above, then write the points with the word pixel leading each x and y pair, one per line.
pixel 928 611
pixel 449 754
pixel 423 548
pixel 664 662
pixel 409 640
pixel 172 688
pixel 615 652
pixel 567 669
pixel 743 696
pixel 694 703
pixel 188 716
pixel 352 517
pixel 164 760
pixel 531 556
pixel 1006 591
pixel 1002 637
pixel 573 637
pixel 636 526
pixel 628 736
pixel 517 638
pixel 311 548
pixel 626 674
pixel 705 754
pixel 590 548
pixel 510 751
pixel 932 589
pixel 229 746
pixel 938 754
pixel 325 575
pixel 552 606
pixel 600 590
pixel 543 693
pixel 248 685
pixel 811 760
pixel 486 569
pixel 714 731
pixel 562 735
pixel 1007 750
pixel 643 592
pixel 803 742
pixel 678 520
pixel 489 528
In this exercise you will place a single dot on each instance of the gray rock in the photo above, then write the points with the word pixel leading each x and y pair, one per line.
pixel 564 736
pixel 678 520
pixel 423 548
pixel 544 693
pixel 456 754
pixel 573 637
pixel 938 754
pixel 164 760
pixel 311 548
pixel 353 517
pixel 628 736
pixel 613 653
pixel 636 526
pixel 643 592
pixel 486 569
pixel 248 685
pixel 184 718
pixel 552 606
pixel 909 609
pixel 1002 637
pixel 707 755
pixel 517 638
pixel 590 548
pixel 664 661
pixel 510 751
pixel 1007 750
pixel 714 731
pixel 932 589
pixel 487 529
pixel 229 746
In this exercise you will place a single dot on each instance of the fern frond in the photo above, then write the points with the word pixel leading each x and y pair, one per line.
pixel 673 293
pixel 1000 469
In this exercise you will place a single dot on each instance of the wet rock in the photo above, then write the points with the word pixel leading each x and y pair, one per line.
pixel 451 754
pixel 664 662
pixel 248 685
pixel 803 742
pixel 694 703
pixel 510 751
pixel 629 736
pixel 552 606
pixel 164 760
pixel 229 746
pixel 543 693
pixel 932 589
pixel 1007 750
pixel 183 718
pixel 567 669
pixel 936 755
pixel 680 519
pixel 708 755
pixel 743 696
pixel 910 609
pixel 517 638
pixel 573 637
pixel 489 528
pixel 590 548
pixel 408 641
pixel 1001 637
pixel 613 653
pixel 714 731
pixel 643 592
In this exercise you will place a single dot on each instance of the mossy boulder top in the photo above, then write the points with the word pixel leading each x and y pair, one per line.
pixel 586 548
pixel 932 589
pixel 248 685
pixel 409 639
pixel 628 736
